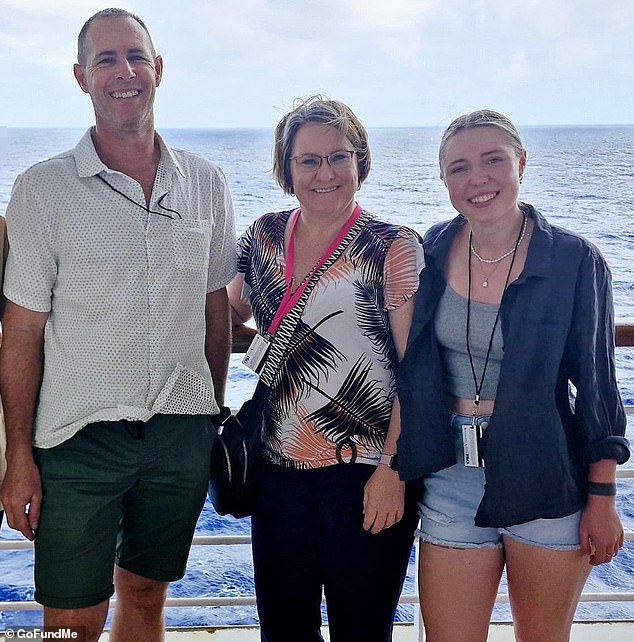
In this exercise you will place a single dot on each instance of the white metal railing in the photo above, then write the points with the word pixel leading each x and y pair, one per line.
pixel 249 600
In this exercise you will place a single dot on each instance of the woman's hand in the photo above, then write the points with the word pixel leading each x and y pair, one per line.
pixel 383 499
pixel 601 530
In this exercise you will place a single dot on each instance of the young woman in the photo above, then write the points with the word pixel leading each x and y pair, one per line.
pixel 510 407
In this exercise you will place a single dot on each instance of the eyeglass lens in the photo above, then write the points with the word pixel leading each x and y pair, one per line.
pixel 312 162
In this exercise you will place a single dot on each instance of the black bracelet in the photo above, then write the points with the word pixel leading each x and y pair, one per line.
pixel 601 488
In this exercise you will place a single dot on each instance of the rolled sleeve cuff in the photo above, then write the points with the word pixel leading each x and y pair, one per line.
pixel 613 447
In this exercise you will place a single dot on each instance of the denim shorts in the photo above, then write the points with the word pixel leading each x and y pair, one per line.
pixel 451 500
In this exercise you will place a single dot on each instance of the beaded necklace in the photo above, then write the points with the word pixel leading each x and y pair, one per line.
pixel 499 258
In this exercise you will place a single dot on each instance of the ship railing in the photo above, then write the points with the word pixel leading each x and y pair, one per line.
pixel 249 600
pixel 242 336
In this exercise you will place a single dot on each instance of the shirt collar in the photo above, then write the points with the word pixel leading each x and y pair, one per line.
pixel 168 158
pixel 540 251
pixel 89 164
pixel 86 158
pixel 437 247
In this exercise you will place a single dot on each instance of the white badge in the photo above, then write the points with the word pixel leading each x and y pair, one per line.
pixel 470 443
pixel 256 354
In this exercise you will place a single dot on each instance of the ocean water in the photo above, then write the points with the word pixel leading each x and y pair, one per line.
pixel 579 177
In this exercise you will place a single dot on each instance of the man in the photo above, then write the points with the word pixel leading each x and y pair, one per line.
pixel 116 347
pixel 4 247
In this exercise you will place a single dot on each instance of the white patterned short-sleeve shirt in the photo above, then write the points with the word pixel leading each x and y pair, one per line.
pixel 124 284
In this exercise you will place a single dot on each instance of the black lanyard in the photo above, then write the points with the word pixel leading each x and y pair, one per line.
pixel 143 207
pixel 478 385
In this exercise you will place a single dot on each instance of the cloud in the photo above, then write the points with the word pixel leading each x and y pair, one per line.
pixel 396 61
pixel 41 32
pixel 517 68
pixel 395 15
pixel 302 35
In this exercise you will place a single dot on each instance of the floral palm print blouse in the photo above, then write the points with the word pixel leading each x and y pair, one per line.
pixel 332 398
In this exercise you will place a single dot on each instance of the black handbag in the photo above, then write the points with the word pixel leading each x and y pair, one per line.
pixel 235 454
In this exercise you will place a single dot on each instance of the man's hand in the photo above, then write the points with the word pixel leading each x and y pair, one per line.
pixel 21 495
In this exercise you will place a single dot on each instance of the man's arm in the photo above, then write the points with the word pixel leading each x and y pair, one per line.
pixel 21 365
pixel 218 340
pixel 4 250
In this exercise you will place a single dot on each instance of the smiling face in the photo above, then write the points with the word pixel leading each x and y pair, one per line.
pixel 482 170
pixel 324 192
pixel 121 74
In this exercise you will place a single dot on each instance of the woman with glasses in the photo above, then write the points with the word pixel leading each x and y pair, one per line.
pixel 332 515
pixel 510 406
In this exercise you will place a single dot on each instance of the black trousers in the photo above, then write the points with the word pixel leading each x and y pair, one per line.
pixel 308 535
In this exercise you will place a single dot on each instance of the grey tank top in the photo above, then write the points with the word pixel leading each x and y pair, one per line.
pixel 450 323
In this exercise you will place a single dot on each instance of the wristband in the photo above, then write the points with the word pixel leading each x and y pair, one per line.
pixel 601 488
pixel 388 460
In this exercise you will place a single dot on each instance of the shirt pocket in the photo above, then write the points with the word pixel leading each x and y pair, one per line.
pixel 190 244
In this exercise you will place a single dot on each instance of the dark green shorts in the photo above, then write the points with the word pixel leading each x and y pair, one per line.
pixel 124 492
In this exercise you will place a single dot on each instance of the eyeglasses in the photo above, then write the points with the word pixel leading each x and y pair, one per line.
pixel 312 162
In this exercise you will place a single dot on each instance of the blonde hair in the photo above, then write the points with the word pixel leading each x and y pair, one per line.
pixel 480 118
pixel 316 109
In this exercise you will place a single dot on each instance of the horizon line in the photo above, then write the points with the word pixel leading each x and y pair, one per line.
pixel 271 127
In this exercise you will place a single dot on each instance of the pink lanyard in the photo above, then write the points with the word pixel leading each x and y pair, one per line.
pixel 290 300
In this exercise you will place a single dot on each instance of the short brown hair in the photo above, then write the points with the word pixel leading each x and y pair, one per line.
pixel 480 118
pixel 112 12
pixel 316 109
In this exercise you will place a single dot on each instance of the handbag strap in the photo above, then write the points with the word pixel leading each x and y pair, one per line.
pixel 281 342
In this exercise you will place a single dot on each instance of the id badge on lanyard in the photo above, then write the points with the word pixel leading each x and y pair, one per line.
pixel 256 354
pixel 472 444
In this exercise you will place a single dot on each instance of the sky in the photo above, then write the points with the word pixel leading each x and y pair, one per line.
pixel 242 63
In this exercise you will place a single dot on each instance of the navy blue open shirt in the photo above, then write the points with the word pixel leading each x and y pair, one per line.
pixel 557 325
